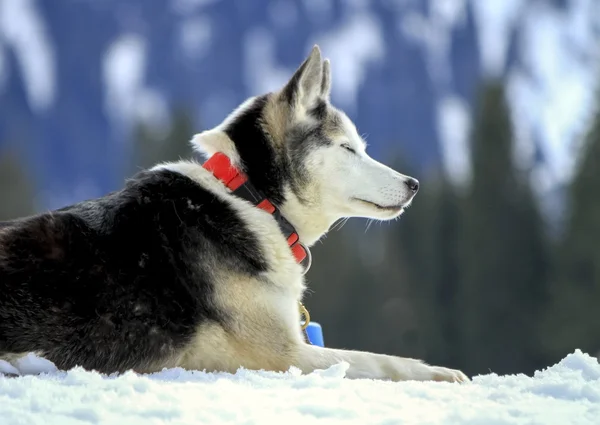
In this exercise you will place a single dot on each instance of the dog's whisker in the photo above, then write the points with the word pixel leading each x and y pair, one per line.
pixel 340 223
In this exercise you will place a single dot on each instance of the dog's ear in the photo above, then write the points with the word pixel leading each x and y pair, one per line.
pixel 216 139
pixel 310 82
pixel 326 81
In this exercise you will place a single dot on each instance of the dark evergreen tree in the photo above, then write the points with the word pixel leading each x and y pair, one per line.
pixel 441 270
pixel 416 309
pixel 426 241
pixel 571 319
pixel 503 258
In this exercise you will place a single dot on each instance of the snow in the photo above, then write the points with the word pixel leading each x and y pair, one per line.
pixel 23 29
pixel 562 55
pixel 550 88
pixel 127 97
pixel 195 36
pixel 352 46
pixel 123 71
pixel 454 122
pixel 433 32
pixel 495 20
pixel 566 393
pixel 262 72
pixel 3 68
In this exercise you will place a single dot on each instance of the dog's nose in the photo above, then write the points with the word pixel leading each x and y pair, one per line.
pixel 413 184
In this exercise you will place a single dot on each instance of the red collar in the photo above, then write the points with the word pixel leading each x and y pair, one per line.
pixel 222 168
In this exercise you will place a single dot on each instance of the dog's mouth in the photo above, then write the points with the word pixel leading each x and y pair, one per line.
pixel 389 208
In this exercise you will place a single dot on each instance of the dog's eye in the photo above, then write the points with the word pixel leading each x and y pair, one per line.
pixel 347 147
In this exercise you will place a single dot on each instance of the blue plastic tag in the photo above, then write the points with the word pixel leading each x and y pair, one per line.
pixel 315 334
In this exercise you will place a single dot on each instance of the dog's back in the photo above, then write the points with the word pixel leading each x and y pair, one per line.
pixel 110 284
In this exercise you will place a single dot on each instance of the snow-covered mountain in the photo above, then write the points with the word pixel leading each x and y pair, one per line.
pixel 76 74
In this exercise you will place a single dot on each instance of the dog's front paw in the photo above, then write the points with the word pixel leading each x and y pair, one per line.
pixel 404 369
pixel 443 374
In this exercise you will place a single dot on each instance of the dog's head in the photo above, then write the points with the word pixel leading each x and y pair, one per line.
pixel 307 156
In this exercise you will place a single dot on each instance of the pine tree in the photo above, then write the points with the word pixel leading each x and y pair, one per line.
pixel 442 271
pixel 426 244
pixel 572 318
pixel 410 247
pixel 503 259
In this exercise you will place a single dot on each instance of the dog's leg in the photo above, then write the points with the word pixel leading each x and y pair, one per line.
pixel 215 349
pixel 374 366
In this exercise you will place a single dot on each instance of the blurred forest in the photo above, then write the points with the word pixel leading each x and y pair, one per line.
pixel 469 277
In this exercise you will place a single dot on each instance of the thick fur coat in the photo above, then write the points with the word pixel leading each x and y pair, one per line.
pixel 176 270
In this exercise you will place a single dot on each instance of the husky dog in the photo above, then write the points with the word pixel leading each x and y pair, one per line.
pixel 201 266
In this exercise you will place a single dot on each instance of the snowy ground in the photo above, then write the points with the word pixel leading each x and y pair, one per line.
pixel 566 393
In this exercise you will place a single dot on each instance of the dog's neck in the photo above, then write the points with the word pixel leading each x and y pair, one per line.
pixel 237 181
pixel 310 221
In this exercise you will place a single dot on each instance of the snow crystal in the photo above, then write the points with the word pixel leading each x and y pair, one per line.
pixel 262 72
pixel 566 393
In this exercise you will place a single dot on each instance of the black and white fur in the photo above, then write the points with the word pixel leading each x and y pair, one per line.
pixel 175 270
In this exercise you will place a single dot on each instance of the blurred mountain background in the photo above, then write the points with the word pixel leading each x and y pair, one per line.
pixel 491 104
